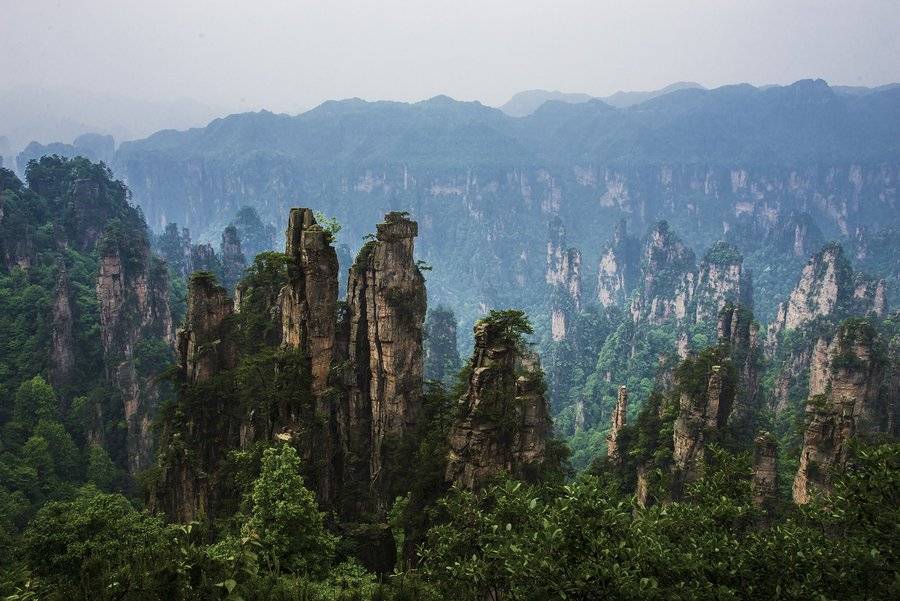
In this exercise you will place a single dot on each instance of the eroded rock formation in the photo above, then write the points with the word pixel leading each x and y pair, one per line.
pixel 233 260
pixel 619 416
pixel 203 258
pixel 668 279
pixel 826 286
pixel 703 412
pixel 386 306
pixel 204 346
pixel 846 386
pixel 563 275
pixel 504 421
pixel 308 304
pixel 764 482
pixel 62 342
pixel 619 268
pixel 737 329
pixel 132 289
pixel 722 280
pixel 442 360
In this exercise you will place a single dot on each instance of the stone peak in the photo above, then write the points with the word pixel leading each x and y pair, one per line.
pixel 396 225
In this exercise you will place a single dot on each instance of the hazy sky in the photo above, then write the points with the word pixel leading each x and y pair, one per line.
pixel 285 55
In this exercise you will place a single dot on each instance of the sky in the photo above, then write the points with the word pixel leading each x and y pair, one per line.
pixel 288 56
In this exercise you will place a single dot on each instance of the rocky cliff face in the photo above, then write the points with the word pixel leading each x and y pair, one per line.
pixel 62 344
pixel 564 278
pixel 703 411
pixel 308 304
pixel 846 384
pixel 722 279
pixel 826 292
pixel 233 261
pixel 204 344
pixel 174 246
pixel 504 421
pixel 738 330
pixel 764 483
pixel 619 416
pixel 826 286
pixel 342 383
pixel 386 306
pixel 619 268
pixel 442 360
pixel 132 288
pixel 668 279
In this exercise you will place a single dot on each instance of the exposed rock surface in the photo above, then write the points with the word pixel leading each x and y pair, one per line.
pixel 347 398
pixel 504 420
pixel 233 261
pixel 701 415
pixel 619 268
pixel 668 279
pixel 308 304
pixel 174 246
pixel 722 280
pixel 826 292
pixel 764 483
pixel 846 385
pixel 564 278
pixel 62 342
pixel 132 289
pixel 386 306
pixel 204 346
pixel 204 258
pixel 442 360
pixel 737 328
pixel 619 416
pixel 826 286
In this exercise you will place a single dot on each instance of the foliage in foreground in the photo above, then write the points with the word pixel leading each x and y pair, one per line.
pixel 583 540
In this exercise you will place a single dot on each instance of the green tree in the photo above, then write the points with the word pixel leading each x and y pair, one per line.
pixel 35 401
pixel 97 546
pixel 101 471
pixel 330 224
pixel 66 458
pixel 285 517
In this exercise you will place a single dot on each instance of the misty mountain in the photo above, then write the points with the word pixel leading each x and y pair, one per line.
pixel 95 147
pixel 526 103
pixel 803 123
pixel 484 186
pixel 622 99
pixel 35 113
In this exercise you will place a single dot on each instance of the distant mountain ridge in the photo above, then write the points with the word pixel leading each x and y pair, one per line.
pixel 802 123
pixel 526 103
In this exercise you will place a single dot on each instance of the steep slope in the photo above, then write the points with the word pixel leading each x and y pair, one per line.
pixel 97 318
